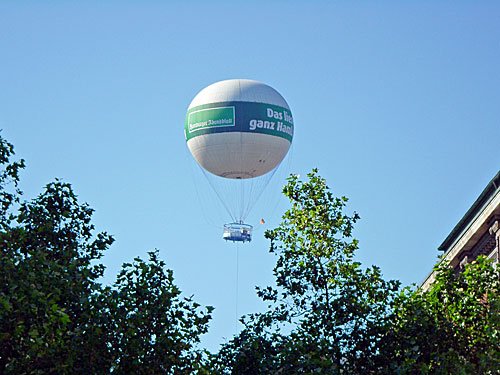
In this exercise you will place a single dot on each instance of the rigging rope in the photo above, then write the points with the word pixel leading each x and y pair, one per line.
pixel 237 285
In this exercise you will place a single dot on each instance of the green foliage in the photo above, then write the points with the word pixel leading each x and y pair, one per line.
pixel 154 331
pixel 49 278
pixel 55 317
pixel 326 314
pixel 9 179
pixel 454 327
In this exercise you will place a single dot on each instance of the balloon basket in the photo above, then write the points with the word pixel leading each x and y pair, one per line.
pixel 237 232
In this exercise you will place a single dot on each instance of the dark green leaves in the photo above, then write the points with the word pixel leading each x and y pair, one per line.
pixel 55 316
pixel 326 313
pixel 329 315
pixel 154 330
pixel 454 327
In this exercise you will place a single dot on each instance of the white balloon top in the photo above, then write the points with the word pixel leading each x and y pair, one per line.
pixel 239 90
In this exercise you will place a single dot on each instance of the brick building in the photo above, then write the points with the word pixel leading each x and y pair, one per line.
pixel 477 233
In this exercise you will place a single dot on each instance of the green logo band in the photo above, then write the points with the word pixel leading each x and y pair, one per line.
pixel 239 117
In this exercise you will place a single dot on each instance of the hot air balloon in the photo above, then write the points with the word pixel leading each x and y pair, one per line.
pixel 238 131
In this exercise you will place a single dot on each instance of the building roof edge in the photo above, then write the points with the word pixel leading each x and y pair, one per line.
pixel 484 198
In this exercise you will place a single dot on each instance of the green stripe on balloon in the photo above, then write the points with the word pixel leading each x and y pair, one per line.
pixel 235 116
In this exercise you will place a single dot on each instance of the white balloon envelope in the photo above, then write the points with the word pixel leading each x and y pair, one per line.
pixel 239 129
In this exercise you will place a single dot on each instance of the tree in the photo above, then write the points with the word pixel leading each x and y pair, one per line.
pixel 9 180
pixel 154 330
pixel 56 317
pixel 326 314
pixel 454 327
pixel 48 281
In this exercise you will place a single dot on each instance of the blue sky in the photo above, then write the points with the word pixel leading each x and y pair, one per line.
pixel 396 103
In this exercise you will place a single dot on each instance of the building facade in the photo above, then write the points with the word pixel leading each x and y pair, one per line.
pixel 477 233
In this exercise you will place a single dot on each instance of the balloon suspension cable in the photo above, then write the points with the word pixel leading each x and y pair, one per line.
pixel 237 285
pixel 200 200
pixel 241 182
pixel 209 179
pixel 242 201
pixel 261 191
